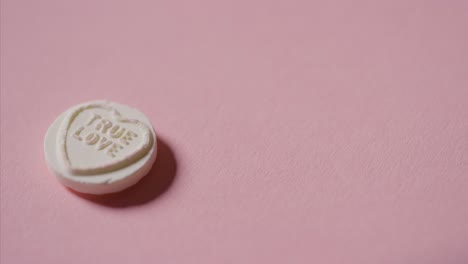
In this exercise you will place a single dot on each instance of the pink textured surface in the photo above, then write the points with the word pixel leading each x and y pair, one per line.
pixel 292 131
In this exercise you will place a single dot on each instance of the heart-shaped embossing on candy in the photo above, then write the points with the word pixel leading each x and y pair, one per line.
pixel 95 138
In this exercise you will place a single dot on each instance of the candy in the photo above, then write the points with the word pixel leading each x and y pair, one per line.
pixel 100 147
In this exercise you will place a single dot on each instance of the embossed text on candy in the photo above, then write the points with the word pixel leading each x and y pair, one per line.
pixel 106 136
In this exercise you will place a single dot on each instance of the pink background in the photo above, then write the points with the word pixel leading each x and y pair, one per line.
pixel 291 131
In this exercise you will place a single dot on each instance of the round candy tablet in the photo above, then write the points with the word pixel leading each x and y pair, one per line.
pixel 100 147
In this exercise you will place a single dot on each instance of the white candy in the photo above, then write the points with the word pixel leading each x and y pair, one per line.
pixel 100 147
